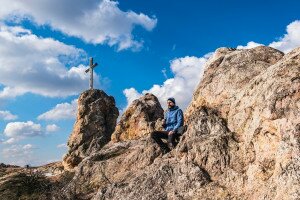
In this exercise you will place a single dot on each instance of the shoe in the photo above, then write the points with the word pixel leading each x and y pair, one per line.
pixel 171 146
pixel 165 150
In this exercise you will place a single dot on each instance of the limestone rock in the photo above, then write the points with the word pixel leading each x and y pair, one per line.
pixel 139 119
pixel 242 140
pixel 96 120
pixel 229 71
pixel 136 169
pixel 257 92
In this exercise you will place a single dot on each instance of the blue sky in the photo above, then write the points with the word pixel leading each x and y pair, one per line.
pixel 158 46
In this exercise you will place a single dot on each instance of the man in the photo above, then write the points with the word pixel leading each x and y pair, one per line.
pixel 173 120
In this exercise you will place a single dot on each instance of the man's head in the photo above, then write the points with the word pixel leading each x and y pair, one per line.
pixel 171 102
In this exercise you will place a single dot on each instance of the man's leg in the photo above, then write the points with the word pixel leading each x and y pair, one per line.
pixel 157 136
pixel 171 140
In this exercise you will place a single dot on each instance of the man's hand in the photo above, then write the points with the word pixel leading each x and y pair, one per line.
pixel 171 132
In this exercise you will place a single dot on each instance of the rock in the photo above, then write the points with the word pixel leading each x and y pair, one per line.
pixel 136 169
pixel 229 71
pixel 51 169
pixel 139 119
pixel 96 120
pixel 257 92
pixel 242 140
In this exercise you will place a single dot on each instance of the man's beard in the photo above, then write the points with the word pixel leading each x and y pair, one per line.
pixel 169 106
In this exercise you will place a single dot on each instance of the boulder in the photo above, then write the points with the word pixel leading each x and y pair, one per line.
pixel 140 119
pixel 96 120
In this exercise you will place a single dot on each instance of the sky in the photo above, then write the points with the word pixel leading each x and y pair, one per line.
pixel 157 46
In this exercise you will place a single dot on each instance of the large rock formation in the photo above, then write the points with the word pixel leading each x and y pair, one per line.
pixel 257 91
pixel 242 141
pixel 137 170
pixel 96 120
pixel 139 119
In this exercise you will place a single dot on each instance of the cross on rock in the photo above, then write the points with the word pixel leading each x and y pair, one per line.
pixel 91 70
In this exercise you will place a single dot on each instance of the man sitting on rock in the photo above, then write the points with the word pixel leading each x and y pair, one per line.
pixel 173 121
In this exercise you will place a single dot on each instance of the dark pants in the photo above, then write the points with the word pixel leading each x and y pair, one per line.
pixel 158 135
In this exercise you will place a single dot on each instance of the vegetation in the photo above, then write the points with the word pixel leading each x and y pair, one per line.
pixel 32 186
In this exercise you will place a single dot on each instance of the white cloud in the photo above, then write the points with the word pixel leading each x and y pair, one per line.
pixel 9 93
pixel 95 21
pixel 61 111
pixel 14 151
pixel 62 145
pixel 290 40
pixel 28 146
pixel 187 74
pixel 16 131
pixel 131 95
pixel 6 115
pixel 249 45
pixel 11 141
pixel 32 64
pixel 52 128
pixel 18 154
pixel 287 43
pixel 22 129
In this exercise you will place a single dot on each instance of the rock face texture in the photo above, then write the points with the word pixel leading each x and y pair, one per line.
pixel 242 140
pixel 257 91
pixel 139 119
pixel 96 120
pixel 137 170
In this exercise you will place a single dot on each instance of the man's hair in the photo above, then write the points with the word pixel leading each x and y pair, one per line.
pixel 172 99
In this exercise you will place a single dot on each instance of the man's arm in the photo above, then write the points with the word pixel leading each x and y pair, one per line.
pixel 179 120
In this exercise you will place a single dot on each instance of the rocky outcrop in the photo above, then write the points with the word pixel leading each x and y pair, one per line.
pixel 96 120
pixel 139 119
pixel 229 71
pixel 242 140
pixel 257 91
pixel 137 170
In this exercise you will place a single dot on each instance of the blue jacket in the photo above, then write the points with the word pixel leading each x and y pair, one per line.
pixel 173 119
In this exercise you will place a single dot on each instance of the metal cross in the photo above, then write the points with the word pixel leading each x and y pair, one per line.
pixel 91 70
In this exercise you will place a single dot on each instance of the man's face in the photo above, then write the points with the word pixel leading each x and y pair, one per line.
pixel 170 104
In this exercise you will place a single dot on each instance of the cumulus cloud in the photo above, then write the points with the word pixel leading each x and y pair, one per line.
pixel 290 40
pixel 94 21
pixel 6 115
pixel 131 95
pixel 187 74
pixel 286 43
pixel 22 129
pixel 10 141
pixel 10 93
pixel 32 64
pixel 17 150
pixel 19 154
pixel 52 128
pixel 16 131
pixel 28 146
pixel 249 45
pixel 61 111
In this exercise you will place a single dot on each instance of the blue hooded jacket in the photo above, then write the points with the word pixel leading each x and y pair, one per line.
pixel 173 119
